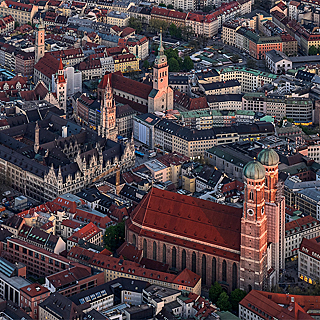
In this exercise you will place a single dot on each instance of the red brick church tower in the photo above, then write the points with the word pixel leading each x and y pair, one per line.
pixel 108 127
pixel 275 212
pixel 253 256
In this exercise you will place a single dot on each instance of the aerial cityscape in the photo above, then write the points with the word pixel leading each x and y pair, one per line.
pixel 159 160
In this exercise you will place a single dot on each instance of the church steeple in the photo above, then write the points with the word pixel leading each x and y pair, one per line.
pixel 39 43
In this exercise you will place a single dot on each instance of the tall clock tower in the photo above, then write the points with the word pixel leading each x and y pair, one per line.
pixel 108 114
pixel 253 258
pixel 39 43
pixel 161 96
pixel 61 85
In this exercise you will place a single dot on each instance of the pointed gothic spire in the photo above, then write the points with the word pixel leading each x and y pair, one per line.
pixel 161 49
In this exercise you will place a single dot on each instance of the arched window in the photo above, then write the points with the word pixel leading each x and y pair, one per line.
pixel 164 254
pixel 224 271
pixel 174 257
pixel 251 195
pixel 134 240
pixel 194 262
pixel 183 259
pixel 249 287
pixel 214 268
pixel 154 251
pixel 145 249
pixel 266 182
pixel 204 270
pixel 234 276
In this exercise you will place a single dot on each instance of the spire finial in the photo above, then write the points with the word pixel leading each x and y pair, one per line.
pixel 161 50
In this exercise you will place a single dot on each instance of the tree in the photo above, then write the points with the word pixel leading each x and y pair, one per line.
pixel 162 5
pixel 170 6
pixel 251 64
pixel 114 236
pixel 155 25
pixel 146 64
pixel 215 292
pixel 235 297
pixel 173 30
pixel 235 58
pixel 16 24
pixel 173 65
pixel 223 302
pixel 312 51
pixel 187 64
pixel 171 53
pixel 135 24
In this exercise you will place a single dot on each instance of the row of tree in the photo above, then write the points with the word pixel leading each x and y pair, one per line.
pixel 223 301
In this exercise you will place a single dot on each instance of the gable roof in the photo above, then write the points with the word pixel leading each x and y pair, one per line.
pixel 187 217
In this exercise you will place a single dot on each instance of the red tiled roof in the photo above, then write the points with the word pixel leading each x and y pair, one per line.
pixel 300 222
pixel 34 289
pixel 126 31
pixel 18 5
pixel 65 277
pixel 71 224
pixel 127 85
pixel 168 13
pixel 311 247
pixel 47 65
pixel 188 103
pixel 129 252
pixel 85 233
pixel 281 306
pixel 81 215
pixel 182 217
pixel 184 279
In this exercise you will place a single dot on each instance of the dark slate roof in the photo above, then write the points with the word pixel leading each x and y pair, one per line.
pixel 124 110
pixel 207 74
pixel 304 75
pixel 220 85
pixel 131 192
pixel 175 79
pixel 62 307
pixel 149 118
pixel 224 97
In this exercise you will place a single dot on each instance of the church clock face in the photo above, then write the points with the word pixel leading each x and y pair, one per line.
pixel 250 212
pixel 161 80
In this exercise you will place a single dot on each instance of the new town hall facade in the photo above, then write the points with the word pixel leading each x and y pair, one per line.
pixel 239 248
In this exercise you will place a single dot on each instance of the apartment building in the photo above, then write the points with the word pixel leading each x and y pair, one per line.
pixel 138 45
pixel 24 63
pixel 116 18
pixel 278 62
pixel 222 87
pixel 6 24
pixel 170 16
pixel 194 143
pixel 12 279
pixel 21 12
pixel 38 261
pixel 225 102
pixel 126 62
pixel 228 35
pixel 249 79
pixel 74 280
pixel 305 227
pixel 203 24
pixel 89 233
pixel 298 109
pixel 309 260
pixel 114 268
pixel 124 120
pixel 30 298
pixel 308 201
